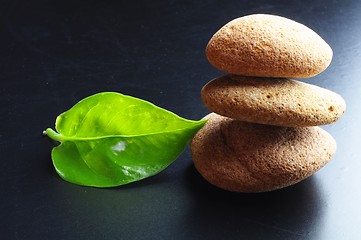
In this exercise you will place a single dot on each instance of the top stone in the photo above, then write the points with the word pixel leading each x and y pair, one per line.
pixel 263 45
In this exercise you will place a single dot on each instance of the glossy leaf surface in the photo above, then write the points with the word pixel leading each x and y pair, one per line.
pixel 110 139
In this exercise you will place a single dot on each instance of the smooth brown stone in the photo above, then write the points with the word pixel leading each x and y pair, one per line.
pixel 248 157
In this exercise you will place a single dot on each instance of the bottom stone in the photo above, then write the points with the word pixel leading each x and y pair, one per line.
pixel 248 157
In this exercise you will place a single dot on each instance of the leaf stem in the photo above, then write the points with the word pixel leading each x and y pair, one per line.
pixel 54 135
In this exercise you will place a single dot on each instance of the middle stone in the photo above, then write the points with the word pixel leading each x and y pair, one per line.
pixel 281 102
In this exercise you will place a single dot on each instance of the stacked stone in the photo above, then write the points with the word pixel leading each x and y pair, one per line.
pixel 263 131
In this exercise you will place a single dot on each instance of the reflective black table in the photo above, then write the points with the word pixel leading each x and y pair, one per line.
pixel 54 54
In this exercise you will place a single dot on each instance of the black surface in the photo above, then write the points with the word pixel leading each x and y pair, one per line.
pixel 54 54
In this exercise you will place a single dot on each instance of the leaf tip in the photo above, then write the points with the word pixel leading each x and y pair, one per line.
pixel 203 122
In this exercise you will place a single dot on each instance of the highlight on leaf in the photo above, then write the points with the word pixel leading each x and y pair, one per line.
pixel 110 139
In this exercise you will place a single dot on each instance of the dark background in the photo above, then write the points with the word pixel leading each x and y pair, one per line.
pixel 54 53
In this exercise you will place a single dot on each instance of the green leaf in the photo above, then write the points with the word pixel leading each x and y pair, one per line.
pixel 110 139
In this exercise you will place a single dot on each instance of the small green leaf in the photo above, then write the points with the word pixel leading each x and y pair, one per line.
pixel 110 139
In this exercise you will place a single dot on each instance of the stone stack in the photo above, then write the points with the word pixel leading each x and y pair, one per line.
pixel 263 131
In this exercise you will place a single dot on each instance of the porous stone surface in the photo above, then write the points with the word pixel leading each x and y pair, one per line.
pixel 282 102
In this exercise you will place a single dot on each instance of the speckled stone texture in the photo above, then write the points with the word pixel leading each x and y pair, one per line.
pixel 248 157
pixel 268 46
